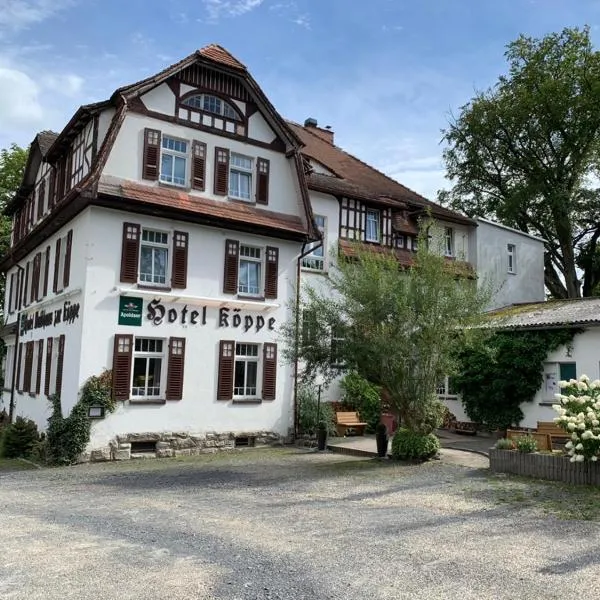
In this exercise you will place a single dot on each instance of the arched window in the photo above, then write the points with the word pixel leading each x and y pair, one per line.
pixel 212 104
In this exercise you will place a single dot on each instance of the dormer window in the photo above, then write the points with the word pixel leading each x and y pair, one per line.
pixel 212 104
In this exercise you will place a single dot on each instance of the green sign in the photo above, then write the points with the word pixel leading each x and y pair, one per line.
pixel 130 311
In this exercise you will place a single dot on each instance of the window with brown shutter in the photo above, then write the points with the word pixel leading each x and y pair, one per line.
pixel 269 371
pixel 151 158
pixel 67 267
pixel 130 251
pixel 40 356
pixel 226 363
pixel 52 189
pixel 19 383
pixel 180 260
pixel 59 364
pixel 35 279
pixel 262 181
pixel 46 271
pixel 68 174
pixel 26 285
pixel 221 171
pixel 271 272
pixel 122 357
pixel 175 366
pixel 10 292
pixel 48 373
pixel 20 284
pixel 28 367
pixel 41 199
pixel 198 165
pixel 230 276
pixel 56 265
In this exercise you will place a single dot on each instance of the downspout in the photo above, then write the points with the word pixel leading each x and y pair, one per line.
pixel 305 252
pixel 11 406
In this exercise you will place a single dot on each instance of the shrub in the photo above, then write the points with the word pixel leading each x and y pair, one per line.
pixel 19 438
pixel 579 416
pixel 311 415
pixel 410 444
pixel 526 444
pixel 362 396
pixel 505 444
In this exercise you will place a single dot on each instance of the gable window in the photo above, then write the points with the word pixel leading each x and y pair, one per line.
pixel 372 228
pixel 240 176
pixel 173 161
pixel 250 272
pixel 511 254
pixel 448 241
pixel 148 360
pixel 154 253
pixel 212 104
pixel 316 259
pixel 246 370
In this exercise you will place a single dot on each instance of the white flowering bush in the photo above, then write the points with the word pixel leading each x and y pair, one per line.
pixel 579 415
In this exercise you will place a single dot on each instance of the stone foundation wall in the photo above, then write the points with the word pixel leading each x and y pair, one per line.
pixel 177 444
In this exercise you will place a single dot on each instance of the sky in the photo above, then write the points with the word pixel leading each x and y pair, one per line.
pixel 386 75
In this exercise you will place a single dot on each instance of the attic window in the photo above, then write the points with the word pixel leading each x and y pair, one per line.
pixel 213 105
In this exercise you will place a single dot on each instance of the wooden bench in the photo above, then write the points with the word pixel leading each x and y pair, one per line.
pixel 544 440
pixel 349 420
pixel 554 431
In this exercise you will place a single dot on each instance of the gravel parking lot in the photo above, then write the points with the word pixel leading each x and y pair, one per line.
pixel 281 524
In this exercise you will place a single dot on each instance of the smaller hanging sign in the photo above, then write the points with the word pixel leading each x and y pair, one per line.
pixel 130 311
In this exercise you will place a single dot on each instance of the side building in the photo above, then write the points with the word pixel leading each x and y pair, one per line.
pixel 158 235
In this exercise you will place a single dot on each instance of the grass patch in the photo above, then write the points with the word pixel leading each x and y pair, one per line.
pixel 14 464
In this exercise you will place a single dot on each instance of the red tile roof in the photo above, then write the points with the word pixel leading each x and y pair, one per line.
pixel 357 179
pixel 233 211
pixel 219 54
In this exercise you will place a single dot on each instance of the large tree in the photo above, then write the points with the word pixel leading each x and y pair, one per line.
pixel 525 152
pixel 12 167
pixel 398 328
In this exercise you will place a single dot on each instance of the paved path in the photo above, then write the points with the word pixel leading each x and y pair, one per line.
pixel 282 525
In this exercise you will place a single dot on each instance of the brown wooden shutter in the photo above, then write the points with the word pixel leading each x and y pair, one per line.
pixel 46 271
pixel 52 189
pixel 230 276
pixel 269 371
pixel 26 285
pixel 180 260
pixel 67 268
pixel 151 156
pixel 28 366
pixel 10 292
pixel 175 368
pixel 59 364
pixel 48 373
pixel 41 199
pixel 38 378
pixel 122 359
pixel 198 165
pixel 56 265
pixel 271 272
pixel 130 251
pixel 262 181
pixel 35 280
pixel 19 365
pixel 69 165
pixel 226 365
pixel 221 171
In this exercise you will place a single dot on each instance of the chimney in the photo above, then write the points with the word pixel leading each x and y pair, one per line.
pixel 325 134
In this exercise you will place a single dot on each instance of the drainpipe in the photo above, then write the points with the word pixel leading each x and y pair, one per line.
pixel 305 252
pixel 11 406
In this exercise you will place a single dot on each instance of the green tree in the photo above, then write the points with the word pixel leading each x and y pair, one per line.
pixel 523 152
pixel 399 329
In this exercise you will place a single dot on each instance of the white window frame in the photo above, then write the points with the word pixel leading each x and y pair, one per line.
pixel 448 241
pixel 245 358
pixel 377 213
pixel 240 170
pixel 9 361
pixel 443 389
pixel 146 354
pixel 252 259
pixel 154 244
pixel 511 258
pixel 312 261
pixel 190 102
pixel 176 154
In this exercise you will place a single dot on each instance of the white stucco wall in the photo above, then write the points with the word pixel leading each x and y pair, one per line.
pixel 461 235
pixel 160 99
pixel 125 161
pixel 526 284
pixel 258 129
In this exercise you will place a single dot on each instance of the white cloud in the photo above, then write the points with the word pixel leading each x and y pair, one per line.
pixel 68 85
pixel 19 100
pixel 16 14
pixel 229 8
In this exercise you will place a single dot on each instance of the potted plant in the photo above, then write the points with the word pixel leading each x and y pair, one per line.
pixel 381 437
